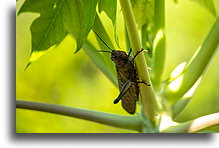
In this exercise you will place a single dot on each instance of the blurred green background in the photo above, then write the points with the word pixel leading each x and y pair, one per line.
pixel 61 77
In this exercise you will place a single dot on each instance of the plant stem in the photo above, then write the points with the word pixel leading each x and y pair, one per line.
pixel 148 98
pixel 126 122
pixel 99 61
pixel 159 44
pixel 195 125
pixel 99 28
pixel 196 66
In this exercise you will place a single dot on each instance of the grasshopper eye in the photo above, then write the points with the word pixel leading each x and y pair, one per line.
pixel 121 56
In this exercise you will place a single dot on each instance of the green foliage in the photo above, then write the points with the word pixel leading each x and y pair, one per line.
pixel 109 66
pixel 57 19
pixel 175 98
pixel 143 11
pixel 110 8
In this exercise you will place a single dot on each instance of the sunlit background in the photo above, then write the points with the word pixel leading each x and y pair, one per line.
pixel 64 78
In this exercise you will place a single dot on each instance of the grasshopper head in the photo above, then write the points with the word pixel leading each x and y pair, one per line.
pixel 119 57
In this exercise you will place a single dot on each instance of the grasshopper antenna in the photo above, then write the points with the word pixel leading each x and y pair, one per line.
pixel 102 51
pixel 102 41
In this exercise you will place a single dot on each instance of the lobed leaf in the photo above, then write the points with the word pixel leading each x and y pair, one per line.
pixel 109 7
pixel 57 19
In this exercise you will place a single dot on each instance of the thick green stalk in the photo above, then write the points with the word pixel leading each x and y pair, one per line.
pixel 196 66
pixel 159 44
pixel 194 125
pixel 126 122
pixel 148 98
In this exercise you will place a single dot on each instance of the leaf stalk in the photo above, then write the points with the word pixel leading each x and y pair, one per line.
pixel 125 122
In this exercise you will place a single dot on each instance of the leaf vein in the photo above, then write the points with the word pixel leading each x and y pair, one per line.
pixel 50 25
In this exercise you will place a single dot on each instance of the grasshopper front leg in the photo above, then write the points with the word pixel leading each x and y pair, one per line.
pixel 144 83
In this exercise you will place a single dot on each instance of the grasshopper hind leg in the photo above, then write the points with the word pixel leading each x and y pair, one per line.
pixel 125 87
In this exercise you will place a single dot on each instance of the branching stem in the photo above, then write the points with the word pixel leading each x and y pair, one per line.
pixel 126 122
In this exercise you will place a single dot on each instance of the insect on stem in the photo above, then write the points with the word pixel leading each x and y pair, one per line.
pixel 127 77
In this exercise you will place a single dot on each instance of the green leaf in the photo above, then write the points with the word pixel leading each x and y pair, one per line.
pixel 57 19
pixel 143 11
pixel 90 13
pixel 110 7
pixel 100 30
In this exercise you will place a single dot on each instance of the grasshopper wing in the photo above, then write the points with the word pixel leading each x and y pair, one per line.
pixel 130 96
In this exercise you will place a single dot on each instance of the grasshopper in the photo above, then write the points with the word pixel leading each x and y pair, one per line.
pixel 127 77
